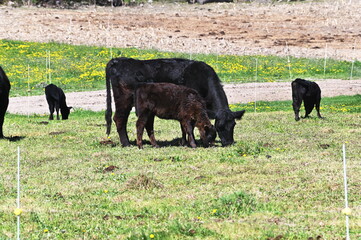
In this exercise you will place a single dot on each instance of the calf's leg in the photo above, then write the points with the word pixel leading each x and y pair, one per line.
pixel 203 136
pixel 57 110
pixel 318 101
pixel 297 97
pixel 184 135
pixel 189 129
pixel 150 130
pixel 296 109
pixel 141 122
pixel 309 105
pixel 51 109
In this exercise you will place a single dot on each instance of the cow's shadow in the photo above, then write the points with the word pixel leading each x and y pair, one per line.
pixel 313 117
pixel 14 138
pixel 167 143
pixel 177 142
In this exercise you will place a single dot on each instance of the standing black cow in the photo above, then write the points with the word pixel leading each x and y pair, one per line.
pixel 56 99
pixel 126 73
pixel 4 98
pixel 308 92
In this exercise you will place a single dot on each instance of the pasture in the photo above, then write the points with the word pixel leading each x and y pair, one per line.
pixel 30 65
pixel 280 178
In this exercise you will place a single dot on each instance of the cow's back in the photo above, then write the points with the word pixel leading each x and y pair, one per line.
pixel 130 72
pixel 311 88
pixel 53 92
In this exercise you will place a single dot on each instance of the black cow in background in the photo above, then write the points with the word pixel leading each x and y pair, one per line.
pixel 56 99
pixel 126 73
pixel 308 92
pixel 4 98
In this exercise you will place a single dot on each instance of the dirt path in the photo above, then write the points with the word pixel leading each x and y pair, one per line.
pixel 236 93
pixel 310 29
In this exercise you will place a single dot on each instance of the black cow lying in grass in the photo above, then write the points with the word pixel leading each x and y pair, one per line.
pixel 170 101
pixel 124 74
pixel 56 99
pixel 308 92
pixel 4 98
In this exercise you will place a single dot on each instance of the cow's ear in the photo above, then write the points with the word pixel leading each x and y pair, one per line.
pixel 239 114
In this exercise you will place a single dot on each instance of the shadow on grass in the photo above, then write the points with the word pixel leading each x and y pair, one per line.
pixel 167 143
pixel 174 143
pixel 14 138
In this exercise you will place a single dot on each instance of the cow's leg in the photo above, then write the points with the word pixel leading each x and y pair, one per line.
pixel 297 96
pixel 150 130
pixel 2 114
pixel 309 105
pixel 51 110
pixel 57 110
pixel 123 99
pixel 296 104
pixel 1 123
pixel 318 101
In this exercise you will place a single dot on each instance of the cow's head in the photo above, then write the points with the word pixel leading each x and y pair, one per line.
pixel 65 113
pixel 225 122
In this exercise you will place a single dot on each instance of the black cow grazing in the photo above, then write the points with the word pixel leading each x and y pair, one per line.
pixel 4 98
pixel 308 92
pixel 56 99
pixel 170 101
pixel 125 74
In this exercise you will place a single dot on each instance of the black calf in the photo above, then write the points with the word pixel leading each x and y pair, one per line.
pixel 308 92
pixel 56 99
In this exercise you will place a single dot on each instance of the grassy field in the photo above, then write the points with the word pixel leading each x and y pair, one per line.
pixel 280 178
pixel 78 68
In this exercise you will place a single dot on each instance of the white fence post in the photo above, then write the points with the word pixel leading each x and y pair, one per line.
pixel 346 210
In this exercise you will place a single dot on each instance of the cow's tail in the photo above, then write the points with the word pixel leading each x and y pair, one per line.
pixel 108 112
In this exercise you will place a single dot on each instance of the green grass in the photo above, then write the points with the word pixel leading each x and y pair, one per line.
pixel 79 68
pixel 351 104
pixel 281 177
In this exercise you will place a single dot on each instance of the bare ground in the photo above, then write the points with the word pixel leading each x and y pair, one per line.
pixel 236 93
pixel 314 29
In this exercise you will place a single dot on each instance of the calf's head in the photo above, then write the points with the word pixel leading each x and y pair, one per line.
pixel 208 135
pixel 65 113
pixel 225 122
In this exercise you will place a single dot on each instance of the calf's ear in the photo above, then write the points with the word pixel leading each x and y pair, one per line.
pixel 238 115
